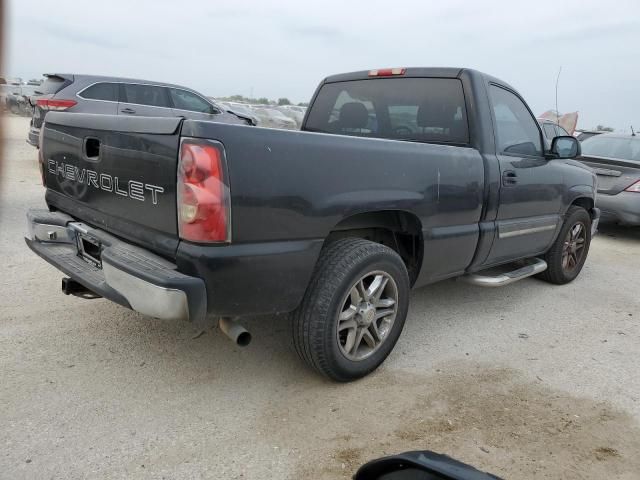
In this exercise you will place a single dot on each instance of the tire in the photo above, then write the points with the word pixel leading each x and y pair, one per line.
pixel 347 268
pixel 559 271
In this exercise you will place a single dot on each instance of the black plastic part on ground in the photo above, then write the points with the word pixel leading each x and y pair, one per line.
pixel 420 465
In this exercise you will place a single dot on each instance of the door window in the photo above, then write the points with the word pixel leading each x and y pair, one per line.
pixel 101 91
pixel 183 100
pixel 549 130
pixel 150 95
pixel 516 130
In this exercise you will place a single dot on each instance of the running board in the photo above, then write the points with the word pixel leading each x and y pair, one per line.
pixel 533 267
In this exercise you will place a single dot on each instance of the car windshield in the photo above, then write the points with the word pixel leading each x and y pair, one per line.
pixel 626 148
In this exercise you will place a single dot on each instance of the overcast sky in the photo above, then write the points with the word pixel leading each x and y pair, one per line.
pixel 284 48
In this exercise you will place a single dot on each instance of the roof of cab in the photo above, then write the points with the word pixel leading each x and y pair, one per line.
pixel 419 72
pixel 442 72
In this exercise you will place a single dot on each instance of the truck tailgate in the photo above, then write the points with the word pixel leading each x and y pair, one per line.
pixel 116 173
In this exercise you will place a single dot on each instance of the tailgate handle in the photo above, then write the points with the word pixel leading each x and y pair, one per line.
pixel 91 148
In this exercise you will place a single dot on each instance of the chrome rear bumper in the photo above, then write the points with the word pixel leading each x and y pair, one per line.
pixel 120 271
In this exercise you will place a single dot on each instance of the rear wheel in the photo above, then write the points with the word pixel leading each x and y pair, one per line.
pixel 354 309
pixel 568 253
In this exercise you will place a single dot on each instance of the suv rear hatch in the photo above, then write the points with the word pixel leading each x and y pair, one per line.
pixel 614 175
pixel 615 159
pixel 115 173
pixel 52 85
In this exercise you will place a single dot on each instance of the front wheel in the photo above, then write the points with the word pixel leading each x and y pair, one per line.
pixel 354 309
pixel 568 253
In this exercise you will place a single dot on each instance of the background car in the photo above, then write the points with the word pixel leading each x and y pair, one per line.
pixel 269 116
pixel 122 96
pixel 238 108
pixel 19 101
pixel 584 134
pixel 294 112
pixel 6 90
pixel 615 158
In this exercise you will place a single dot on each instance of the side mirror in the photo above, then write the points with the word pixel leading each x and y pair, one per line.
pixel 565 147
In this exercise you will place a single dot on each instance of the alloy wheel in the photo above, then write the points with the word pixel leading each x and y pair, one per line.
pixel 367 314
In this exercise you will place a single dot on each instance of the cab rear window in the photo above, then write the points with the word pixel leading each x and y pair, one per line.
pixel 430 110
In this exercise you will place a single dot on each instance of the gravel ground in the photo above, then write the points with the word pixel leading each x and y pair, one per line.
pixel 528 381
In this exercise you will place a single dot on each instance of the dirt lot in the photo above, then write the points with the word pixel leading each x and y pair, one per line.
pixel 529 381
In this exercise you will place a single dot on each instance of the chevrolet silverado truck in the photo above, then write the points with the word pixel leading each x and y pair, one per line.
pixel 399 178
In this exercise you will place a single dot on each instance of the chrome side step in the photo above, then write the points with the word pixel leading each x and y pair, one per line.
pixel 533 266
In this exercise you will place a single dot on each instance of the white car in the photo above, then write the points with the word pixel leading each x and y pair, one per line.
pixel 294 112
pixel 269 117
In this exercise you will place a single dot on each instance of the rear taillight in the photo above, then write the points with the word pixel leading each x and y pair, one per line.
pixel 387 72
pixel 41 156
pixel 633 188
pixel 204 210
pixel 55 104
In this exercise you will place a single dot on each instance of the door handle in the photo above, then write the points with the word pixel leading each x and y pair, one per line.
pixel 128 110
pixel 509 178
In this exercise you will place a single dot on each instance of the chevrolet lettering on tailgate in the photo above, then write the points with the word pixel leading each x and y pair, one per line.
pixel 103 181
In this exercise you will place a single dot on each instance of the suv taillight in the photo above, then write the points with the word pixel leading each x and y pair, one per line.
pixel 55 104
pixel 204 210
pixel 635 187
pixel 41 155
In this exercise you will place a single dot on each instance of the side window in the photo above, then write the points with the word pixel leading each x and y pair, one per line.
pixel 516 129
pixel 549 130
pixel 561 131
pixel 101 91
pixel 145 95
pixel 184 100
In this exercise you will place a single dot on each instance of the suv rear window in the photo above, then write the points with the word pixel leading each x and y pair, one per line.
pixel 101 91
pixel 613 147
pixel 53 84
pixel 430 110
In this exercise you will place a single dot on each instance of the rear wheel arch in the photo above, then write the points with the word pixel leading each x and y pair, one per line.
pixel 399 230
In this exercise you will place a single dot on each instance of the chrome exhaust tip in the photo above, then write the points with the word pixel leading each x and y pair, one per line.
pixel 236 332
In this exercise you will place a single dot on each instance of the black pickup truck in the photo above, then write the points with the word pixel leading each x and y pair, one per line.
pixel 399 178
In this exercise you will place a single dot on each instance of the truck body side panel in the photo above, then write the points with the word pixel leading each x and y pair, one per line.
pixel 289 185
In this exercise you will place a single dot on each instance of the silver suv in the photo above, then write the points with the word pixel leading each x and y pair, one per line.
pixel 123 96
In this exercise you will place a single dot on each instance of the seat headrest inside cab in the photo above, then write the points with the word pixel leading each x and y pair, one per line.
pixel 353 115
